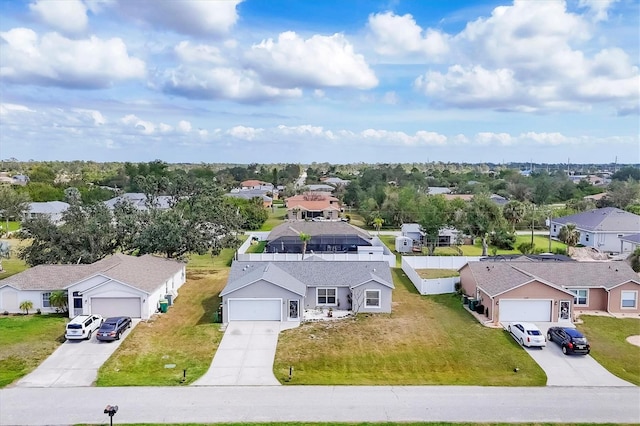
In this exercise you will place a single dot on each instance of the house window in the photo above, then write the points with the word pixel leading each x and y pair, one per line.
pixel 372 298
pixel 629 299
pixel 45 300
pixel 554 229
pixel 586 237
pixel 580 296
pixel 326 296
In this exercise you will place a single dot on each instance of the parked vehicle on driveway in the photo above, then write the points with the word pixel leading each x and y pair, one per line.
pixel 83 326
pixel 570 340
pixel 112 328
pixel 527 334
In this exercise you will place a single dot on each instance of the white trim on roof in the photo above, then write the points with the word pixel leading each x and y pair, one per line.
pixel 109 280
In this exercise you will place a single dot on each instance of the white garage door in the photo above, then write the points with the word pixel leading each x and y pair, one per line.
pixel 255 310
pixel 116 306
pixel 525 310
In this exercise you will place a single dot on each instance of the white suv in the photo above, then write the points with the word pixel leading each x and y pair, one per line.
pixel 83 326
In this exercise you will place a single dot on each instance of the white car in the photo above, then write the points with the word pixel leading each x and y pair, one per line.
pixel 83 326
pixel 527 334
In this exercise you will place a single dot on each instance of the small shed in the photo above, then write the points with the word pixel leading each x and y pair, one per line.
pixel 404 244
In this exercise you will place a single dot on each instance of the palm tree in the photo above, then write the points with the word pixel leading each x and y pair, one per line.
pixel 305 238
pixel 514 212
pixel 26 305
pixel 569 235
pixel 59 299
pixel 377 223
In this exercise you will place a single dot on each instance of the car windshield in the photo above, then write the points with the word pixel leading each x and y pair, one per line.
pixel 534 332
pixel 108 326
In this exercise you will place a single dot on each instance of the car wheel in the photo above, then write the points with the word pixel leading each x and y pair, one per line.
pixel 549 337
pixel 89 335
pixel 118 336
pixel 521 342
pixel 564 350
pixel 129 326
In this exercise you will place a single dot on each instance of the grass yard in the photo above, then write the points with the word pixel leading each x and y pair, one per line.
pixel 13 226
pixel 13 265
pixel 437 273
pixel 540 241
pixel 185 336
pixel 25 341
pixel 609 347
pixel 276 217
pixel 427 340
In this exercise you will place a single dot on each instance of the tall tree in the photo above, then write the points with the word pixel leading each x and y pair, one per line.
pixel 377 223
pixel 434 215
pixel 304 238
pixel 12 204
pixel 514 212
pixel 483 217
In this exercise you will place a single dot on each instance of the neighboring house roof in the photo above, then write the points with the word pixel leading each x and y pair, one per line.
pixel 255 182
pixel 145 273
pixel 411 227
pixel 336 181
pixel 320 187
pixel 48 207
pixel 139 200
pixel 249 194
pixel 631 238
pixel 527 258
pixel 608 219
pixel 298 275
pixel 435 190
pixel 499 277
pixel 498 199
pixel 294 229
pixel 595 197
pixel 313 206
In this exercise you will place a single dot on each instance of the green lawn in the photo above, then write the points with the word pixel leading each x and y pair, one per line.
pixel 427 340
pixel 540 241
pixel 25 341
pixel 13 226
pixel 609 347
pixel 13 265
pixel 276 216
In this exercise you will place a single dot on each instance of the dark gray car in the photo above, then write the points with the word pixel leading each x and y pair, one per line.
pixel 112 328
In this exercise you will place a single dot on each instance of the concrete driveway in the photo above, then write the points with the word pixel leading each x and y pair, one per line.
pixel 75 363
pixel 571 370
pixel 245 355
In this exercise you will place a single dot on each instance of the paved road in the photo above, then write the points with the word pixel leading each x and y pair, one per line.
pixel 37 406
pixel 245 355
pixel 74 363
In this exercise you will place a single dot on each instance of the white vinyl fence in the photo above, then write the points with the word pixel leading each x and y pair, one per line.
pixel 436 285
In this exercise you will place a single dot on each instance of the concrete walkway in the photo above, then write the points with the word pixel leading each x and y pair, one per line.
pixel 245 355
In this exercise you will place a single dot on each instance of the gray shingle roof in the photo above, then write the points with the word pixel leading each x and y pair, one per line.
pixel 293 229
pixel 632 238
pixel 608 219
pixel 138 200
pixel 497 277
pixel 145 273
pixel 296 276
pixel 48 207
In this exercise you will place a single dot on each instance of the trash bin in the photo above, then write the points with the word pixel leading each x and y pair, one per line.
pixel 472 304
pixel 216 317
pixel 465 299
pixel 164 305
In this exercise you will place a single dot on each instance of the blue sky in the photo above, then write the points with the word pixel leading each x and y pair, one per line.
pixel 326 81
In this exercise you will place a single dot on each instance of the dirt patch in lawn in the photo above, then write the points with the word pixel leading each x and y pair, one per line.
pixel 437 273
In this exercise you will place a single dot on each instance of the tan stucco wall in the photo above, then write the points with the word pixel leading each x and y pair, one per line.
pixel 537 290
pixel 468 282
pixel 615 298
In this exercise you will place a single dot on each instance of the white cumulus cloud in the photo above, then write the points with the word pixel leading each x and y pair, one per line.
pixel 401 35
pixel 54 60
pixel 319 61
pixel 67 16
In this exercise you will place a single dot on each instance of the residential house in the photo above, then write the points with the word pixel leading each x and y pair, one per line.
pixel 326 237
pixel 629 243
pixel 320 187
pixel 600 228
pixel 280 291
pixel 256 184
pixel 114 286
pixel 20 180
pixel 550 291
pixel 435 190
pixel 249 194
pixel 139 201
pixel 446 236
pixel 50 209
pixel 313 204
pixel 336 181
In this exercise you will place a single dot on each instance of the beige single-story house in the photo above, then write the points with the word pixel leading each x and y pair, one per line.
pixel 545 291
pixel 118 285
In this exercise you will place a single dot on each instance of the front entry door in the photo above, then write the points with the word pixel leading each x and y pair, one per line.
pixel 293 309
pixel 564 314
